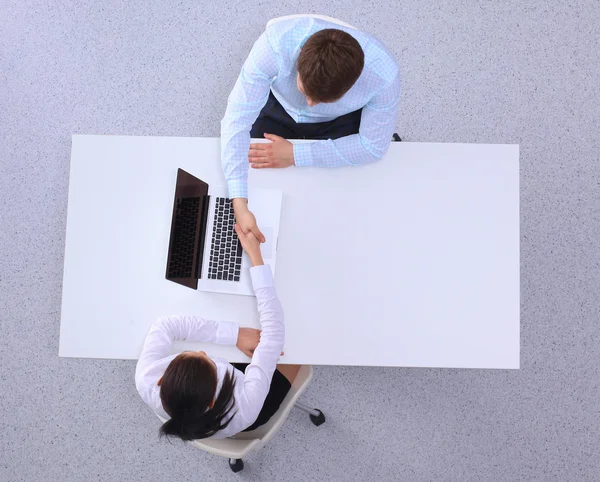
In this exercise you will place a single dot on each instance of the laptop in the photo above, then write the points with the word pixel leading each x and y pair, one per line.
pixel 204 250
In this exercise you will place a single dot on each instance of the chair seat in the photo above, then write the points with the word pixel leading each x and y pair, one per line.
pixel 266 431
pixel 227 447
pixel 240 445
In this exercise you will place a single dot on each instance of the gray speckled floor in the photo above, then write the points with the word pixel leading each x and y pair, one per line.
pixel 473 72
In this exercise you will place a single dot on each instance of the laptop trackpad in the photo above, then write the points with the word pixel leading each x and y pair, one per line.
pixel 266 248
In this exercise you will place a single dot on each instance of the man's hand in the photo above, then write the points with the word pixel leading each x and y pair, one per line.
pixel 277 153
pixel 248 340
pixel 245 218
pixel 251 245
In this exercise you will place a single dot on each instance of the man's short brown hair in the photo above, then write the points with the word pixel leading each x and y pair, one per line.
pixel 329 64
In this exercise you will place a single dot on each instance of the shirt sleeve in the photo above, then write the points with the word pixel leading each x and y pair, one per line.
pixel 377 124
pixel 246 100
pixel 259 373
pixel 160 338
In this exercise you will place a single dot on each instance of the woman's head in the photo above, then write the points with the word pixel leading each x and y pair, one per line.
pixel 187 393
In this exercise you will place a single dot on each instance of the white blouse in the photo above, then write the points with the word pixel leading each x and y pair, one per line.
pixel 252 387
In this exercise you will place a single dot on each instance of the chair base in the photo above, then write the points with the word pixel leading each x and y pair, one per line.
pixel 318 419
pixel 316 416
pixel 236 465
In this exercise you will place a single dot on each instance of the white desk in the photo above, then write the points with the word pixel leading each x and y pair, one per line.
pixel 411 261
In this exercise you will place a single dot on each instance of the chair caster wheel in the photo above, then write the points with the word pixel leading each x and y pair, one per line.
pixel 236 465
pixel 396 138
pixel 318 419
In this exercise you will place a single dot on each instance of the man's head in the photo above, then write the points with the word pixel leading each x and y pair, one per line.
pixel 329 64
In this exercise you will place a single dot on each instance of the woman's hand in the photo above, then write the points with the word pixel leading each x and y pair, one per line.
pixel 250 244
pixel 248 340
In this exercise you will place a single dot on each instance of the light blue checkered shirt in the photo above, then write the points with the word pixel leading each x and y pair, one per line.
pixel 271 65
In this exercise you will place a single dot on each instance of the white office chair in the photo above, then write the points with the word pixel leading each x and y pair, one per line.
pixel 240 445
pixel 320 17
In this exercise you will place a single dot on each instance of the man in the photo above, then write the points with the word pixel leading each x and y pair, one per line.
pixel 309 79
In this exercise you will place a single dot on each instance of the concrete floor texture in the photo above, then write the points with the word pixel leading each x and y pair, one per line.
pixel 473 71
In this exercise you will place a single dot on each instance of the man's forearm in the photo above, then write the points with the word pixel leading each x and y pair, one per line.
pixel 248 97
pixel 235 169
pixel 240 203
pixel 345 151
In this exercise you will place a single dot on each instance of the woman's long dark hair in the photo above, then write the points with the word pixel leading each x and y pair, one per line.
pixel 187 388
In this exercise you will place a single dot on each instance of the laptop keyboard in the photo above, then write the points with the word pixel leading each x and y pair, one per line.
pixel 184 237
pixel 225 249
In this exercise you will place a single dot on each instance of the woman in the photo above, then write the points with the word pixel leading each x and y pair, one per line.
pixel 205 396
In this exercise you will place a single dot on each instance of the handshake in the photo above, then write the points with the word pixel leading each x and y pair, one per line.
pixel 247 231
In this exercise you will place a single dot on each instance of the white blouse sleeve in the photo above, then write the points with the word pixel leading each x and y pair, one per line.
pixel 259 373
